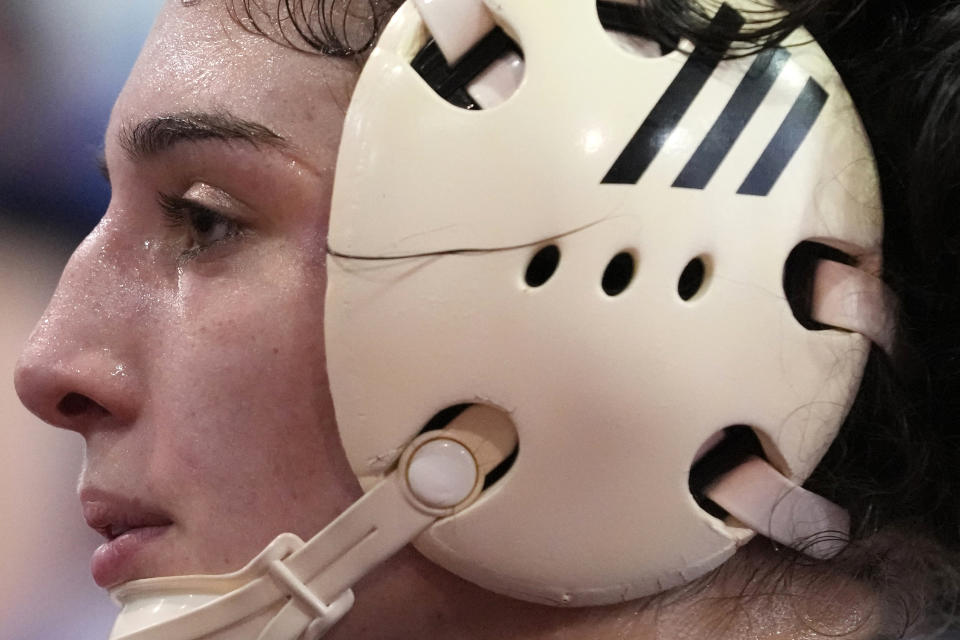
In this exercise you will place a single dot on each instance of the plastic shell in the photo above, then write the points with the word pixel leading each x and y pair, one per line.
pixel 612 396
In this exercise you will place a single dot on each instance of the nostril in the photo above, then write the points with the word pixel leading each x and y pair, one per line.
pixel 75 404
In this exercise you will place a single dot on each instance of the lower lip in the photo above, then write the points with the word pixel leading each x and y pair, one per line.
pixel 114 562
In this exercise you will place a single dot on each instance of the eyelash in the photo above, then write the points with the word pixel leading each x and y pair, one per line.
pixel 183 213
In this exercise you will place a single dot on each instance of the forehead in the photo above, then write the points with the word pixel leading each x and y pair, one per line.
pixel 198 59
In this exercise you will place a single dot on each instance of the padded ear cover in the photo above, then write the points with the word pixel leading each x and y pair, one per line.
pixel 599 152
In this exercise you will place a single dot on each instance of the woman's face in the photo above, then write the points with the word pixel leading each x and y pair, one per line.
pixel 185 341
pixel 185 344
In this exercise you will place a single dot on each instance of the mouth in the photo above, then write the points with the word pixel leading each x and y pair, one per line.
pixel 130 528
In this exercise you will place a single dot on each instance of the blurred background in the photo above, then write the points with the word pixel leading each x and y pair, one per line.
pixel 62 63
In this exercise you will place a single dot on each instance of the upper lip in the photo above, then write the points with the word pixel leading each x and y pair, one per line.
pixel 112 514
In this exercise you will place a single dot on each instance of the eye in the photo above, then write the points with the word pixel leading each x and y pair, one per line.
pixel 204 227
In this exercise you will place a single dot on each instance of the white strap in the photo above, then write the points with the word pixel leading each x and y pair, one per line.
pixel 317 616
pixel 497 82
pixel 456 25
pixel 370 531
pixel 319 572
pixel 763 499
pixel 849 298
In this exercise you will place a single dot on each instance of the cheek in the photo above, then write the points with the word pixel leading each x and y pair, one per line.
pixel 254 328
pixel 244 388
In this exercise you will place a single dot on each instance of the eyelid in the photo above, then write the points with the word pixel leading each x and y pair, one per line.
pixel 218 201
pixel 177 209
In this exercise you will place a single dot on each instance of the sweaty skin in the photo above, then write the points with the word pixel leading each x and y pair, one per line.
pixel 185 345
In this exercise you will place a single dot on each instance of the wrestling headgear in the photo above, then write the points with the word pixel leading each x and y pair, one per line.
pixel 562 352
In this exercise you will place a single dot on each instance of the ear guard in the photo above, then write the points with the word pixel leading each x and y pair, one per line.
pixel 562 354
pixel 600 255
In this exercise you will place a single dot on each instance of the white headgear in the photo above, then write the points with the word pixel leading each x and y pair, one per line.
pixel 583 239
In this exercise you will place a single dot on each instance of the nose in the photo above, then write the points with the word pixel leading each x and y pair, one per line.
pixel 78 370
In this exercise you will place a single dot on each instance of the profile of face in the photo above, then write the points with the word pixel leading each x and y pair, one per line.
pixel 185 340
pixel 185 343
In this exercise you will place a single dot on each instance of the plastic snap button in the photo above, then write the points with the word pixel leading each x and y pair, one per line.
pixel 442 473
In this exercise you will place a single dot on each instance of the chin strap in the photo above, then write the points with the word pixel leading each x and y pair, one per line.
pixel 297 590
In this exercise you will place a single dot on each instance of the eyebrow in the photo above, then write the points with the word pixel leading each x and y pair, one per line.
pixel 155 135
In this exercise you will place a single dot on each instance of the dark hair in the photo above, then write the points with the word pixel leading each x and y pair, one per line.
pixel 896 462
pixel 341 28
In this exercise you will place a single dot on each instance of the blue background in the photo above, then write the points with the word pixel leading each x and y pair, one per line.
pixel 62 63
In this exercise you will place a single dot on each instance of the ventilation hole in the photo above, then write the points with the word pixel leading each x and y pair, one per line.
pixel 618 274
pixel 633 28
pixel 736 445
pixel 798 274
pixel 75 404
pixel 482 78
pixel 444 417
pixel 542 266
pixel 501 469
pixel 691 280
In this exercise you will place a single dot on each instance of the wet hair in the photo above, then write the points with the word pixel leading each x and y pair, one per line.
pixel 340 28
pixel 896 462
